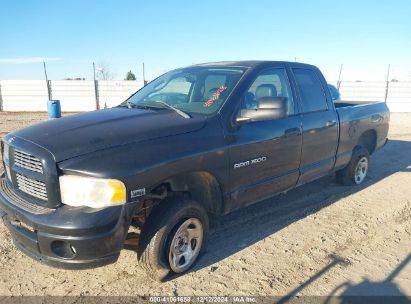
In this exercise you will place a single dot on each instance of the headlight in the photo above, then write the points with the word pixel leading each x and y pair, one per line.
pixel 91 192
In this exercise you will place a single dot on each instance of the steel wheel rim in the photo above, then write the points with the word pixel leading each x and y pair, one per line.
pixel 185 245
pixel 361 170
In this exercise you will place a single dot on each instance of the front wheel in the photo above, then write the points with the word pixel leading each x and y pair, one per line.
pixel 356 170
pixel 173 237
pixel 186 244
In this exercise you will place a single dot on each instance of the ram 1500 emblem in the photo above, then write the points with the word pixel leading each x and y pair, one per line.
pixel 250 162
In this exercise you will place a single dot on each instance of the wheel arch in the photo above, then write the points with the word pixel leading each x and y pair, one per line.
pixel 202 187
pixel 368 140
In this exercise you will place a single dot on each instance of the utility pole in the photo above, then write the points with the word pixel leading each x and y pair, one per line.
pixel 1 100
pixel 339 78
pixel 388 73
pixel 387 83
pixel 96 88
pixel 144 76
pixel 47 81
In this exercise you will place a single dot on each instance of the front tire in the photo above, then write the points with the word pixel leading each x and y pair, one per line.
pixel 356 170
pixel 173 237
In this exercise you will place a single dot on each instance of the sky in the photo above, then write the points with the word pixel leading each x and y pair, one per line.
pixel 365 36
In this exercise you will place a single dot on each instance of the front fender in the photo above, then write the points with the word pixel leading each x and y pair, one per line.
pixel 143 165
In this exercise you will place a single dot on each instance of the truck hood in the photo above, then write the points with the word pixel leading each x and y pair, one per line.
pixel 84 133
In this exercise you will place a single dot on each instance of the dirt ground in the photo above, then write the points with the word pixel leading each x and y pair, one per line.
pixel 320 239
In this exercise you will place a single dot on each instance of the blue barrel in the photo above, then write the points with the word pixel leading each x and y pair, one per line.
pixel 54 108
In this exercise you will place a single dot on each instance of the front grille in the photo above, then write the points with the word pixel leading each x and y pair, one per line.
pixel 31 186
pixel 27 161
pixel 17 200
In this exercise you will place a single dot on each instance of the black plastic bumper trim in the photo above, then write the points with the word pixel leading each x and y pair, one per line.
pixel 67 264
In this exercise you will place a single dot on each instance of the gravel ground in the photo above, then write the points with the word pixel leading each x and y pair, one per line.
pixel 320 239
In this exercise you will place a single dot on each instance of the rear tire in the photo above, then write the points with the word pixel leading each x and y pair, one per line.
pixel 356 170
pixel 173 237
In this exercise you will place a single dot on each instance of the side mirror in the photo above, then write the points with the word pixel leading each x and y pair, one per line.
pixel 335 94
pixel 268 108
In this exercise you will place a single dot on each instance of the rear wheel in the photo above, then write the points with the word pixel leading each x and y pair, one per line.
pixel 356 170
pixel 173 237
pixel 360 171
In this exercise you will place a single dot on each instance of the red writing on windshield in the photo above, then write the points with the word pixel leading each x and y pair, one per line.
pixel 215 96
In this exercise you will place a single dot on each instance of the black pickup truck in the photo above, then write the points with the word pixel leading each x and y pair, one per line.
pixel 201 140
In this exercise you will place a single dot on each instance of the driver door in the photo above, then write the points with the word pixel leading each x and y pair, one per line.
pixel 265 155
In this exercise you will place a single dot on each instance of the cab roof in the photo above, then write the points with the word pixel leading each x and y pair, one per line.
pixel 250 64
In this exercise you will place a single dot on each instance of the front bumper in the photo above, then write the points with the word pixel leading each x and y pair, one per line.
pixel 68 237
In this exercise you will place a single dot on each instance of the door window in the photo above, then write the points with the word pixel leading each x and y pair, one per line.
pixel 311 90
pixel 270 83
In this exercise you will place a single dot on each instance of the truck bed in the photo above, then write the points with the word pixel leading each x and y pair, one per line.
pixel 350 103
pixel 356 118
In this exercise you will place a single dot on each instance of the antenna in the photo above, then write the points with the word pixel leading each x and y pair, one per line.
pixel 388 72
pixel 339 78
pixel 387 83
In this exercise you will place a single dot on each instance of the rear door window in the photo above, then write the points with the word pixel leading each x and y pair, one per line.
pixel 311 90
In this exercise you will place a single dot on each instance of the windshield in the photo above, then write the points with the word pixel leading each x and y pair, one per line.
pixel 200 90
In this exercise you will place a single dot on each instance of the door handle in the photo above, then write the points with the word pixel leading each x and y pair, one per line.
pixel 331 123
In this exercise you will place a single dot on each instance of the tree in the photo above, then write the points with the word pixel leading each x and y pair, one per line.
pixel 76 78
pixel 130 76
pixel 104 72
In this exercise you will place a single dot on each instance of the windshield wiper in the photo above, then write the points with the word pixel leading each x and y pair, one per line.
pixel 130 105
pixel 178 111
pixel 127 104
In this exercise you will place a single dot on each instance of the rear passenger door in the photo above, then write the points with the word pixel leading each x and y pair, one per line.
pixel 319 125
